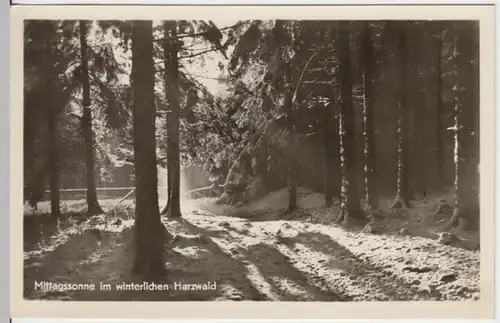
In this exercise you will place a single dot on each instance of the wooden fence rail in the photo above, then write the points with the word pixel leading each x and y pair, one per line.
pixel 118 193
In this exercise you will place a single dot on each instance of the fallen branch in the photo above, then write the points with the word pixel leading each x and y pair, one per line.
pixel 113 211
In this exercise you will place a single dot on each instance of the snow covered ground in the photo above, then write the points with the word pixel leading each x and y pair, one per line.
pixel 253 253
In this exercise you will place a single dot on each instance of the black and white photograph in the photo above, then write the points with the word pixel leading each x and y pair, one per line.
pixel 233 159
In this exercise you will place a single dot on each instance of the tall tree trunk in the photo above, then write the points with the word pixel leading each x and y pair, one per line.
pixel 332 158
pixel 167 51
pixel 439 111
pixel 29 141
pixel 54 164
pixel 93 206
pixel 350 200
pixel 290 122
pixel 149 231
pixel 466 210
pixel 368 60
pixel 402 199
pixel 29 146
pixel 170 47
pixel 53 159
pixel 331 139
pixel 413 149
pixel 292 166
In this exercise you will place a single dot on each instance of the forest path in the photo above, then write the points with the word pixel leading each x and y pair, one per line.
pixel 252 253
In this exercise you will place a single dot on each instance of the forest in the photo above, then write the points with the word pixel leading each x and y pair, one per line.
pixel 304 160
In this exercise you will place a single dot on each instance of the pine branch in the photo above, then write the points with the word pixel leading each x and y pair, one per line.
pixel 186 56
pixel 200 34
pixel 213 49
pixel 205 77
pixel 301 76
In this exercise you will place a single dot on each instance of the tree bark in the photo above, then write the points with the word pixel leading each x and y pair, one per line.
pixel 50 107
pixel 413 149
pixel 292 168
pixel 29 142
pixel 169 188
pixel 368 60
pixel 402 199
pixel 278 35
pixel 167 44
pixel 93 206
pixel 170 47
pixel 54 165
pixel 149 231
pixel 350 207
pixel 466 210
pixel 332 158
pixel 439 111
pixel 31 184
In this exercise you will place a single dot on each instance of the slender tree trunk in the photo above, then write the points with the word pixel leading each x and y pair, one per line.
pixel 328 172
pixel 440 179
pixel 167 44
pixel 93 206
pixel 466 210
pixel 53 159
pixel 402 199
pixel 148 227
pixel 439 112
pixel 331 140
pixel 292 167
pixel 332 159
pixel 420 169
pixel 290 122
pixel 29 147
pixel 54 165
pixel 172 80
pixel 167 51
pixel 368 59
pixel 29 142
pixel 350 200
